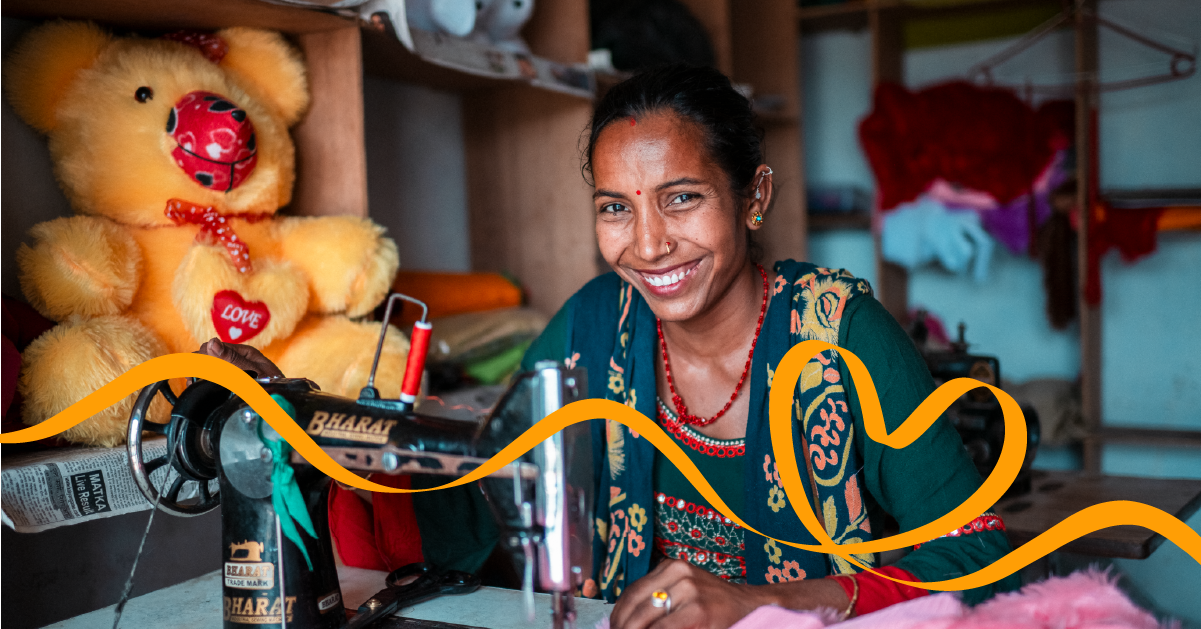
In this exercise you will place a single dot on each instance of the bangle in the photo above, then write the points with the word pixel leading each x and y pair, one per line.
pixel 850 610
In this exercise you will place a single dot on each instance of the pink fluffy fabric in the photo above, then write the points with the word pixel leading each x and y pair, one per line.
pixel 1084 600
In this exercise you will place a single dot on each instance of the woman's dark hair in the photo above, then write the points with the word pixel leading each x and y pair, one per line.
pixel 702 95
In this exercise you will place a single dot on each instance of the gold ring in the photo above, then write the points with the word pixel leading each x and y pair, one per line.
pixel 660 598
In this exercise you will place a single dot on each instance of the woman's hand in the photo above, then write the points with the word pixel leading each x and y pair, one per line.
pixel 243 357
pixel 698 600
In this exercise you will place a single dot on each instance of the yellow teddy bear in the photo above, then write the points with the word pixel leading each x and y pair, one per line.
pixel 176 156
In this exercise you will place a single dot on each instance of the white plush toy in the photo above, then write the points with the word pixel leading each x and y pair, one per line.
pixel 499 23
pixel 454 17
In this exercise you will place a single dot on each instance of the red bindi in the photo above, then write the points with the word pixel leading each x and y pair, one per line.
pixel 632 121
pixel 637 192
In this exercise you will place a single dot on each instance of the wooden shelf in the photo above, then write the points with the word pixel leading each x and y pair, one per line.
pixel 385 57
pixel 180 14
pixel 847 16
pixel 466 68
pixel 854 14
pixel 1058 495
pixel 1151 436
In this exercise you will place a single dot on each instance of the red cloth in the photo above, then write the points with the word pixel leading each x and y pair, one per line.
pixel 21 325
pixel 985 139
pixel 1131 232
pixel 12 366
pixel 211 46
pixel 378 536
pixel 876 592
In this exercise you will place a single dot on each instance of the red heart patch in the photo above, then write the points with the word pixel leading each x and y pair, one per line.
pixel 236 319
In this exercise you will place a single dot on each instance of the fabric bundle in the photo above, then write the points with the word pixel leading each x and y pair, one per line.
pixel 981 138
pixel 958 165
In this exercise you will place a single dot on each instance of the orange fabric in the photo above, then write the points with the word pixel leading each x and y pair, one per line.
pixel 378 536
pixel 454 293
pixel 1188 217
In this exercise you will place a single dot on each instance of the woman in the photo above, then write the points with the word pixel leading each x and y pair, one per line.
pixel 688 329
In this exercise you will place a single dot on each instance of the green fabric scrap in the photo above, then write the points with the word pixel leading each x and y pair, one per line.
pixel 286 497
pixel 496 368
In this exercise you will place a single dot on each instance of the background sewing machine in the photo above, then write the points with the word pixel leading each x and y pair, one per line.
pixel 977 415
pixel 540 504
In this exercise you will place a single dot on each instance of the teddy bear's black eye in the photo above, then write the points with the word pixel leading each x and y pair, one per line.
pixel 143 94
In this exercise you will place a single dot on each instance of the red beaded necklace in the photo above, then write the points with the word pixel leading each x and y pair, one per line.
pixel 681 410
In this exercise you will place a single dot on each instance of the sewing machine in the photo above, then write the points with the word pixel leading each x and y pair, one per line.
pixel 977 415
pixel 538 501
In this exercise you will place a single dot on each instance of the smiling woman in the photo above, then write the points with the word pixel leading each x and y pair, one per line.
pixel 688 328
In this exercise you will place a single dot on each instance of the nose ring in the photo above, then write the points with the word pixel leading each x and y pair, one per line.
pixel 668 245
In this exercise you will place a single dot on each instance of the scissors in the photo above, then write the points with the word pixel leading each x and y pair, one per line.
pixel 429 583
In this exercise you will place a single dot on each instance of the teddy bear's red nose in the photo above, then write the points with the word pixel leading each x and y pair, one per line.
pixel 215 140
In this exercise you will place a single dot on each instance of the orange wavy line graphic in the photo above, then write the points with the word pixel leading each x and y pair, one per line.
pixel 787 374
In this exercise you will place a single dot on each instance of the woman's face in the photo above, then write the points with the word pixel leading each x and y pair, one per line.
pixel 656 184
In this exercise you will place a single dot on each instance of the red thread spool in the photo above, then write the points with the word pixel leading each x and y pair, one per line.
pixel 419 345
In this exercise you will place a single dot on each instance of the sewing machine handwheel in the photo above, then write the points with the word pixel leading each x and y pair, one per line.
pixel 177 431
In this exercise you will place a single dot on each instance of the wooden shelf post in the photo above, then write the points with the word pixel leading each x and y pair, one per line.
pixel 1090 316
pixel 331 156
pixel 765 50
pixel 888 64
pixel 530 210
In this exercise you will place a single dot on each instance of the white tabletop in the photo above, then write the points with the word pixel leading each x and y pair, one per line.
pixel 196 604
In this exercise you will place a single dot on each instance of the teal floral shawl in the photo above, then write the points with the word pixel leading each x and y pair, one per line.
pixel 611 331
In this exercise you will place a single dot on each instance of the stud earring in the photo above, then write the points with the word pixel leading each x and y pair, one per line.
pixel 757 218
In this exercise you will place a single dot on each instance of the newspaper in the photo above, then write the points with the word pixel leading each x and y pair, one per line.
pixel 483 60
pixel 46 490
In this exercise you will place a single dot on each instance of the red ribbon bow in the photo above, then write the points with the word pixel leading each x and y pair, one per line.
pixel 214 228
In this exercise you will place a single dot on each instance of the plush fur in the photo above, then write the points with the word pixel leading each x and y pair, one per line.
pixel 123 279
pixel 97 350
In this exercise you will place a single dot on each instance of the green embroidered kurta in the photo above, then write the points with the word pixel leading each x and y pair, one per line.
pixel 686 526
pixel 915 485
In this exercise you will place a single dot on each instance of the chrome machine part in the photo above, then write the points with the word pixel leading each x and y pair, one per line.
pixel 565 522
pixel 391 460
pixel 369 391
pixel 188 448
pixel 247 465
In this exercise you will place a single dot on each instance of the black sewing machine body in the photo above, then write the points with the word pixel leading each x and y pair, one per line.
pixel 542 513
pixel 977 415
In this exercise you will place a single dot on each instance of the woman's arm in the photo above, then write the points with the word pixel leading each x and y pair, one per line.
pixel 923 481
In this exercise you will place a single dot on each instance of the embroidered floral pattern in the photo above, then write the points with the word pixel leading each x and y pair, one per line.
pixel 773 551
pixel 791 571
pixel 818 301
pixel 700 536
pixel 812 305
pixel 776 499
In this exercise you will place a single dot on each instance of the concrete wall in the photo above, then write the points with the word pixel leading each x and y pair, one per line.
pixel 416 172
